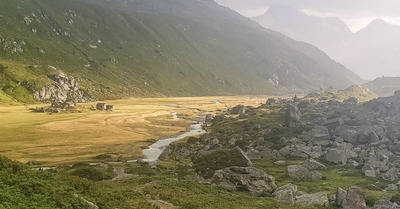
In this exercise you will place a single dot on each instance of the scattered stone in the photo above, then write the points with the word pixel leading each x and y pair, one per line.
pixel 392 174
pixel 385 203
pixel 32 162
pixel 391 187
pixel 121 175
pixel 320 199
pixel 370 174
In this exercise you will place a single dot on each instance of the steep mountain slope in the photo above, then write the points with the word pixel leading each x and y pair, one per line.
pixel 153 47
pixel 371 52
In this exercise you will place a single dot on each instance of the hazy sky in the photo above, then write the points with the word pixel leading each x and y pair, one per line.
pixel 356 13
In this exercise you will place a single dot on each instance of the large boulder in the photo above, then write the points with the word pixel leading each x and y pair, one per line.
pixel 366 135
pixel 341 154
pixel 392 174
pixel 293 115
pixel 238 110
pixel 385 203
pixel 250 179
pixel 286 194
pixel 301 151
pixel 312 164
pixel 320 199
pixel 334 122
pixel 298 150
pixel 337 156
pixel 317 134
pixel 370 173
pixel 347 134
pixel 353 198
pixel 300 173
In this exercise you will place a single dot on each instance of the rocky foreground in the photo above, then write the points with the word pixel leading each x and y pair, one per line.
pixel 308 136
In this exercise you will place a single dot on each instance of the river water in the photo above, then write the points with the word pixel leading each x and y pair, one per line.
pixel 154 151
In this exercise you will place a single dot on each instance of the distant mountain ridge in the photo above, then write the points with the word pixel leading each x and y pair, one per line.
pixel 123 48
pixel 370 52
pixel 384 86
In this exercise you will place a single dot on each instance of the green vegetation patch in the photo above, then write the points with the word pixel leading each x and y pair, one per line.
pixel 19 81
pixel 219 159
pixel 20 187
pixel 190 194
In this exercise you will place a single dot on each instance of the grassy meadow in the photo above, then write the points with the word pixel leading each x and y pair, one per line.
pixel 68 137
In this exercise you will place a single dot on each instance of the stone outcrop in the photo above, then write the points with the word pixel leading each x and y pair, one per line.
pixel 12 45
pixel 63 89
pixel 250 179
pixel 352 198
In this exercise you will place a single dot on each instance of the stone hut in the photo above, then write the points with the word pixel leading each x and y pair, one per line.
pixel 109 107
pixel 101 106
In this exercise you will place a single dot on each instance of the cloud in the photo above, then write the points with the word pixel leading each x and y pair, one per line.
pixel 253 12
pixel 355 7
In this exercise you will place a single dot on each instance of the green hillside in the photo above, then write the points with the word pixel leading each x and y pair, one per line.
pixel 155 48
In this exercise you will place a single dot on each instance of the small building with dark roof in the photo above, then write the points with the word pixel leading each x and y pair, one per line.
pixel 101 106
pixel 109 107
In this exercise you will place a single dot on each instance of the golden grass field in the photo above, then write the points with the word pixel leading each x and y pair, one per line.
pixel 69 137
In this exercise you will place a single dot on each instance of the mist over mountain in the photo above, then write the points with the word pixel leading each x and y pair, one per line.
pixel 384 86
pixel 152 48
pixel 370 52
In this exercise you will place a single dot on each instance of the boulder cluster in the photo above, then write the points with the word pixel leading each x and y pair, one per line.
pixel 364 135
pixel 349 133
pixel 63 90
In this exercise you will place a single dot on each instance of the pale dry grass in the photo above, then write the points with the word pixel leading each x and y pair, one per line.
pixel 69 137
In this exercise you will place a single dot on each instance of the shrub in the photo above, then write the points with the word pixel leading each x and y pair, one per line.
pixel 93 174
pixel 219 159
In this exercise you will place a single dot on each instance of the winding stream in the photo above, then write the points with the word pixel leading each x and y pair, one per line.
pixel 154 151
